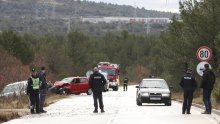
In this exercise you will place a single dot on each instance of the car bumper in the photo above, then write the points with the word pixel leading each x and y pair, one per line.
pixel 155 99
pixel 113 84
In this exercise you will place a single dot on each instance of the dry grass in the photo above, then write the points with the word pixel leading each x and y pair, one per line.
pixel 21 102
pixel 6 116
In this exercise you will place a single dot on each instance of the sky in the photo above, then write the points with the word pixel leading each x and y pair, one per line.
pixel 160 5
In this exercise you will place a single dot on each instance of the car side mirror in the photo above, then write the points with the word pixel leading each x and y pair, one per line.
pixel 137 86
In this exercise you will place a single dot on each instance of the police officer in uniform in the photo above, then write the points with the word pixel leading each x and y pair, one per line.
pixel 188 83
pixel 33 91
pixel 96 82
pixel 125 87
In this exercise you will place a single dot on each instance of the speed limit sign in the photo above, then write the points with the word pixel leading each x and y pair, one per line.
pixel 204 54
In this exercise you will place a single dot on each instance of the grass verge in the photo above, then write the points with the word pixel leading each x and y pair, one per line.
pixel 14 106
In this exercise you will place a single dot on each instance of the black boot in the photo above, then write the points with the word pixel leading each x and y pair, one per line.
pixel 95 111
pixel 102 111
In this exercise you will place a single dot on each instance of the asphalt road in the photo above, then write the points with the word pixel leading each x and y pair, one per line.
pixel 120 108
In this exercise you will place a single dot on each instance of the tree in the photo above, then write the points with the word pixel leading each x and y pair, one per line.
pixel 16 46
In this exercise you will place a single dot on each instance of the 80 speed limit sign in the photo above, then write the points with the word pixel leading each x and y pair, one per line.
pixel 204 53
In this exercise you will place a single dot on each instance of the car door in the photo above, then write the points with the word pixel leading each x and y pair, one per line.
pixel 75 86
pixel 84 85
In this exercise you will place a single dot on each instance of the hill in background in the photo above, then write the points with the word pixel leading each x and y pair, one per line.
pixel 59 16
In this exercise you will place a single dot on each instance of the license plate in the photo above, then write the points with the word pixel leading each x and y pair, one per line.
pixel 155 98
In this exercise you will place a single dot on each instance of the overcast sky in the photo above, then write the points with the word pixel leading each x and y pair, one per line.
pixel 161 5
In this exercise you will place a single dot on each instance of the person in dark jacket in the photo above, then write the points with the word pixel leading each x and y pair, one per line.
pixel 43 88
pixel 188 83
pixel 96 82
pixel 125 87
pixel 33 91
pixel 207 84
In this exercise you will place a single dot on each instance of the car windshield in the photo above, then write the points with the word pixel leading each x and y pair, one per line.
pixel 66 80
pixel 154 84
pixel 109 71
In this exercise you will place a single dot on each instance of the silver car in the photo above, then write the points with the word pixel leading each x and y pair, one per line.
pixel 153 91
pixel 16 88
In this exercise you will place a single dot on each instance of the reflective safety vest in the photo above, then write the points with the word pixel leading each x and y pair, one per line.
pixel 36 83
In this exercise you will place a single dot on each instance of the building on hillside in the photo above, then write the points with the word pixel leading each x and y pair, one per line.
pixel 126 20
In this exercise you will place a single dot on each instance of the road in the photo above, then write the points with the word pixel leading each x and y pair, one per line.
pixel 120 108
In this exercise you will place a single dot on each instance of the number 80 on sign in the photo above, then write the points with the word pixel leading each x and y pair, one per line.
pixel 204 54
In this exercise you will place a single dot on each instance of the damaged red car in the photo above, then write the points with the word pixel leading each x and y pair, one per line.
pixel 72 85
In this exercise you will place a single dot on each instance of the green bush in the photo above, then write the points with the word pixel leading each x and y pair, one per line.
pixel 217 91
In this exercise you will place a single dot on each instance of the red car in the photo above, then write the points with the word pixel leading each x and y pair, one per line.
pixel 73 85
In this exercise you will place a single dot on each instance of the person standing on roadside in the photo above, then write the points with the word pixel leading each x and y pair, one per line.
pixel 43 88
pixel 96 82
pixel 207 84
pixel 33 91
pixel 125 87
pixel 188 83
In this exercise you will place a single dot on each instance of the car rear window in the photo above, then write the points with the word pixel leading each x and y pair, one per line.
pixel 154 84
pixel 81 80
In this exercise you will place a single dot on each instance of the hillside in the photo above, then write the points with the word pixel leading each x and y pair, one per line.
pixel 60 16
pixel 63 8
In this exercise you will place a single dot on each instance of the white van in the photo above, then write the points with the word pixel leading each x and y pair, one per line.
pixel 14 88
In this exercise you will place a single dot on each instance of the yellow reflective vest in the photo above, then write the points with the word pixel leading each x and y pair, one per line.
pixel 36 83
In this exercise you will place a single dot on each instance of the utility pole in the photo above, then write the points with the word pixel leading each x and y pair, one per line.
pixel 135 16
pixel 135 10
pixel 148 27
pixel 54 11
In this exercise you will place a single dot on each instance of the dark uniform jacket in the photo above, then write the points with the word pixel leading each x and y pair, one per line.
pixel 208 80
pixel 31 88
pixel 97 81
pixel 126 81
pixel 42 76
pixel 188 82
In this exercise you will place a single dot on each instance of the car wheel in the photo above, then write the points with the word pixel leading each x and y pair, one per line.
pixel 67 92
pixel 139 103
pixel 89 92
pixel 115 88
pixel 168 103
pixel 61 91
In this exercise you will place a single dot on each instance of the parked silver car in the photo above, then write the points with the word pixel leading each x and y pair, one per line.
pixel 16 88
pixel 153 91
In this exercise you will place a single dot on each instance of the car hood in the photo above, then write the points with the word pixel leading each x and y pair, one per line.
pixel 58 83
pixel 154 90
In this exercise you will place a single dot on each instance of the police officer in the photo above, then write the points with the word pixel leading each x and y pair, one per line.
pixel 96 82
pixel 125 87
pixel 208 81
pixel 33 91
pixel 188 83
pixel 43 88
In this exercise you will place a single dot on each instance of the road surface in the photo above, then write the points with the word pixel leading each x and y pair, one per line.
pixel 120 108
